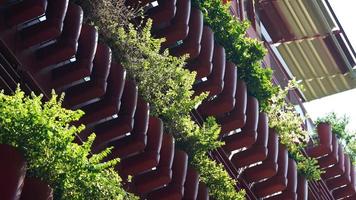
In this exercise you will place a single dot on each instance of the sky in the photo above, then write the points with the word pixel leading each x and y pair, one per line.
pixel 345 102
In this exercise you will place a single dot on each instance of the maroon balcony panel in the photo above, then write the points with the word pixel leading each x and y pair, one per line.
pixel 248 135
pixel 215 81
pixel 162 175
pixel 225 101
pixel 12 172
pixel 337 169
pixel 35 189
pixel 66 45
pixel 302 188
pixel 349 189
pixel 87 92
pixel 344 179
pixel 192 43
pixel 325 145
pixel 332 158
pixel 203 192
pixel 237 117
pixel 278 182
pixel 178 28
pixel 175 189
pixel 136 142
pixel 49 29
pixel 109 104
pixel 203 65
pixel 76 71
pixel 290 193
pixel 116 128
pixel 149 159
pixel 24 11
pixel 258 151
pixel 163 14
pixel 269 167
pixel 191 185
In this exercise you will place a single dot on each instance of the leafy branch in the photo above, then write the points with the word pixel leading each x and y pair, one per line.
pixel 245 52
pixel 41 131
pixel 284 119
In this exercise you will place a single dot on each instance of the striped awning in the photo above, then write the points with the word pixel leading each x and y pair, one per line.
pixel 311 44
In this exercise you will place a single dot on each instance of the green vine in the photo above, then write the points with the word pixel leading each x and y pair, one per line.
pixel 246 53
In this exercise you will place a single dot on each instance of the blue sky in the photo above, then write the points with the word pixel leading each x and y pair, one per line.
pixel 345 102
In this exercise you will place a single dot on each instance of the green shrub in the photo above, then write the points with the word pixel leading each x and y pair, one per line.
pixel 197 144
pixel 338 125
pixel 347 138
pixel 287 123
pixel 200 140
pixel 245 52
pixel 166 85
pixel 307 166
pixel 41 131
pixel 221 186
pixel 248 53
pixel 162 79
pixel 103 11
pixel 351 150
pixel 109 16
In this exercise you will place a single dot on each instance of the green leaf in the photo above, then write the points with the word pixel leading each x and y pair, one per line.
pixel 42 132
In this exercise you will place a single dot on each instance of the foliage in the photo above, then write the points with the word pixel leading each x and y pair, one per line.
pixel 287 123
pixel 245 52
pixel 103 11
pixel 41 131
pixel 109 16
pixel 338 125
pixel 197 144
pixel 284 119
pixel 162 79
pixel 167 86
pixel 346 137
pixel 351 150
pixel 307 166
pixel 221 186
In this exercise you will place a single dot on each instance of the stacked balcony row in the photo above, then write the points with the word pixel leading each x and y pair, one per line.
pixel 340 175
pixel 211 62
pixel 251 146
pixel 61 53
